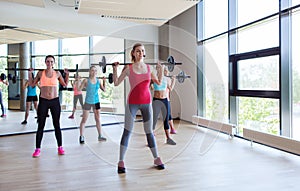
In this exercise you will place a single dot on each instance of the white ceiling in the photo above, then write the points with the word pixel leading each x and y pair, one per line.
pixel 51 19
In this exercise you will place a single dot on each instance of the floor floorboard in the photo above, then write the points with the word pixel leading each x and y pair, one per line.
pixel 201 160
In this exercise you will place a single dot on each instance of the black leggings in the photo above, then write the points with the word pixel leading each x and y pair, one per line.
pixel 43 107
pixel 162 105
pixel 1 103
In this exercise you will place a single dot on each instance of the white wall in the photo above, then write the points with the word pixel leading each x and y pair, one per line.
pixel 183 47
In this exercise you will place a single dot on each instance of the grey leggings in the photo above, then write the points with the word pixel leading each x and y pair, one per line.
pixel 130 113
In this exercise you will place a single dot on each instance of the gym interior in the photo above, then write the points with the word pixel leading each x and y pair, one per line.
pixel 235 103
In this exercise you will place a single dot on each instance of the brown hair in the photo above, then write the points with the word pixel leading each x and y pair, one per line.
pixel 133 49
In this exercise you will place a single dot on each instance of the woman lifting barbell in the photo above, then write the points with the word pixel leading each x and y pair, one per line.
pixel 49 99
pixel 92 85
pixel 161 104
pixel 139 98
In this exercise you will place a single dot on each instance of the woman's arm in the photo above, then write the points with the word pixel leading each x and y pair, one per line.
pixel 158 79
pixel 171 83
pixel 102 85
pixel 37 78
pixel 125 72
pixel 25 84
pixel 63 81
pixel 82 85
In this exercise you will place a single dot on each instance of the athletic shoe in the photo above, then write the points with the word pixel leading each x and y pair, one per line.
pixel 60 150
pixel 100 138
pixel 173 131
pixel 36 153
pixel 170 141
pixel 81 139
pixel 3 115
pixel 24 122
pixel 158 164
pixel 71 117
pixel 121 167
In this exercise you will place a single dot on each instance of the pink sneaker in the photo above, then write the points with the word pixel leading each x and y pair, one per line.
pixel 3 115
pixel 71 117
pixel 121 167
pixel 61 150
pixel 36 153
pixel 173 131
pixel 158 164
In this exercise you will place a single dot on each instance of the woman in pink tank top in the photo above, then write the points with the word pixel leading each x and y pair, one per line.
pixel 139 98
pixel 77 95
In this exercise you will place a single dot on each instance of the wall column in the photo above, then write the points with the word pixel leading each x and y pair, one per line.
pixel 24 63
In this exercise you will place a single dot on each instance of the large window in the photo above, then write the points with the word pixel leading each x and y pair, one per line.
pixel 296 73
pixel 242 65
pixel 73 52
pixel 216 76
pixel 3 65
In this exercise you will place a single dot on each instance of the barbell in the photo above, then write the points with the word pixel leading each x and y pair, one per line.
pixel 27 69
pixel 181 76
pixel 170 64
pixel 110 80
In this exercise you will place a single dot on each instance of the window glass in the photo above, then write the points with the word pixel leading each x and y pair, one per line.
pixel 259 73
pixel 259 36
pixel 107 45
pixel 3 65
pixel 296 73
pixel 249 11
pixel 3 50
pixel 70 62
pixel 295 2
pixel 75 45
pixel 216 79
pixel 45 47
pixel 215 17
pixel 261 114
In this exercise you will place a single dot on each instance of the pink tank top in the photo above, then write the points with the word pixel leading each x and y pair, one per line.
pixel 139 87
pixel 45 81
pixel 76 92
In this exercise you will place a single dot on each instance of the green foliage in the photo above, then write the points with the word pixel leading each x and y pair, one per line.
pixel 296 87
pixel 259 113
pixel 3 65
pixel 216 107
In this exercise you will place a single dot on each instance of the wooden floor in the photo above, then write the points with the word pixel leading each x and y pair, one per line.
pixel 201 160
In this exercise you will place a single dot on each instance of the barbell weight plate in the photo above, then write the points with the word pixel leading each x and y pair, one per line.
pixel 14 79
pixel 9 76
pixel 181 77
pixel 110 78
pixel 3 76
pixel 171 63
pixel 103 64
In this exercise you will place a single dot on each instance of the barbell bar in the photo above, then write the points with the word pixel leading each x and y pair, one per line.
pixel 110 80
pixel 109 77
pixel 27 69
pixel 170 64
